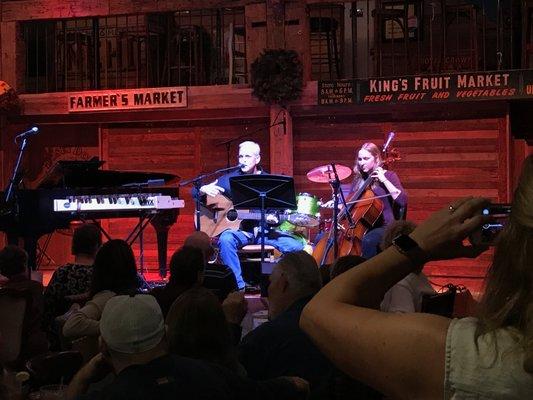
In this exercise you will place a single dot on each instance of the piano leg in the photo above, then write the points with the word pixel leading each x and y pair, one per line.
pixel 12 238
pixel 162 241
pixel 30 245
pixel 162 223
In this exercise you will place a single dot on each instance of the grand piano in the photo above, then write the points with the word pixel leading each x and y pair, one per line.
pixel 80 190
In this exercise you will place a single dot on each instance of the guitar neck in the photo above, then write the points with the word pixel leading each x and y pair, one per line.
pixel 243 214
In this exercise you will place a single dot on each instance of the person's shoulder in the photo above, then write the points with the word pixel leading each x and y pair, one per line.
pixel 26 285
pixel 73 269
pixel 35 286
pixel 62 271
pixel 462 330
pixel 390 174
pixel 102 296
pixel 411 280
pixel 263 332
pixel 281 327
pixel 230 174
pixel 192 369
pixel 80 268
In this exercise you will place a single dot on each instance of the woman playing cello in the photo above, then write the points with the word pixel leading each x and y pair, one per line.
pixel 386 186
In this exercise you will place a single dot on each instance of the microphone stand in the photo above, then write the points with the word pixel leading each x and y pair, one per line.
pixel 9 191
pixel 142 217
pixel 333 233
pixel 335 185
pixel 9 194
pixel 228 142
pixel 197 183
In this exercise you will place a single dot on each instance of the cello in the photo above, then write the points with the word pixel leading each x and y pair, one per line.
pixel 363 209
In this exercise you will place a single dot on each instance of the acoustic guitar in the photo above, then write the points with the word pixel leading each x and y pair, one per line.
pixel 218 214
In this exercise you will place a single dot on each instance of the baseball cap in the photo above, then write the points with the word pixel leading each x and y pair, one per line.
pixel 132 324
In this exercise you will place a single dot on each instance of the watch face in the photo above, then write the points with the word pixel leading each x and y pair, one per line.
pixel 405 242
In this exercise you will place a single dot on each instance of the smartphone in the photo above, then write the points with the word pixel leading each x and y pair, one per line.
pixel 489 232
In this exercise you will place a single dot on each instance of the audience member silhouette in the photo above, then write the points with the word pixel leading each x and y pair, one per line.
pixel 14 266
pixel 343 264
pixel 134 346
pixel 186 271
pixel 428 356
pixel 71 282
pixel 197 328
pixel 218 278
pixel 279 347
pixel 407 294
pixel 114 272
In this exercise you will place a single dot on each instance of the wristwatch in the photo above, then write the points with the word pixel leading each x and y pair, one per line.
pixel 409 248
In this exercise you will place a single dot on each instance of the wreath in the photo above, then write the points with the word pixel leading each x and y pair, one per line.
pixel 9 101
pixel 277 76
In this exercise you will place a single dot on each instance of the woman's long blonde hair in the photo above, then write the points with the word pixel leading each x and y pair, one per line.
pixel 508 297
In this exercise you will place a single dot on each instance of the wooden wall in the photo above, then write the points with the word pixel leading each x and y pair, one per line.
pixel 441 161
pixel 443 156
pixel 184 151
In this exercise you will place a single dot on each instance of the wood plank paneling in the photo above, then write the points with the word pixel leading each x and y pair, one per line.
pixel 13 56
pixel 441 161
pixel 41 9
pixel 297 34
pixel 255 17
pixel 184 151
pixel 45 9
pixel 205 99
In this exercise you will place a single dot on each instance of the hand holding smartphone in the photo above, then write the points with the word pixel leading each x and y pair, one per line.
pixel 487 234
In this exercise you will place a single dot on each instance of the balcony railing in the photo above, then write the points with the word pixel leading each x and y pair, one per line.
pixel 365 38
pixel 142 50
pixel 376 38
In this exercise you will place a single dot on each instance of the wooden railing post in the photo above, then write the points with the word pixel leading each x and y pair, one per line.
pixel 281 141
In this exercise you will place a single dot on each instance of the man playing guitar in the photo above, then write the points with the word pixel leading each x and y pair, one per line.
pixel 230 240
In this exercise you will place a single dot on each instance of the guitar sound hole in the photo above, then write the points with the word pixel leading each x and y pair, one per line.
pixel 232 215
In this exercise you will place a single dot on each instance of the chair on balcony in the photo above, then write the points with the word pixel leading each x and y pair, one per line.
pixel 323 31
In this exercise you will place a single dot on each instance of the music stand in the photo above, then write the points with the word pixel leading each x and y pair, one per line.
pixel 275 192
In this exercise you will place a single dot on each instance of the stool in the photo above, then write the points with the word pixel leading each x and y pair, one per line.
pixel 250 256
pixel 255 250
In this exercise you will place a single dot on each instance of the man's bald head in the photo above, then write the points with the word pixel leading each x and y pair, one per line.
pixel 200 240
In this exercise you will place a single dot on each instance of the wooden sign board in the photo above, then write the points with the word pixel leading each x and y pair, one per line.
pixel 127 99
pixel 336 92
pixel 471 86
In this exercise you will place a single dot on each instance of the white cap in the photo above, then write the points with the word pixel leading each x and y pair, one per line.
pixel 132 324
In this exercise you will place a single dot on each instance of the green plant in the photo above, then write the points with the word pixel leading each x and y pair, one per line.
pixel 277 76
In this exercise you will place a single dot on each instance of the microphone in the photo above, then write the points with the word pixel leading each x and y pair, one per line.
pixel 30 132
pixel 389 139
pixel 235 167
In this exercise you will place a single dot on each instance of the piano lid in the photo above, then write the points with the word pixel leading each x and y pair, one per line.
pixel 79 174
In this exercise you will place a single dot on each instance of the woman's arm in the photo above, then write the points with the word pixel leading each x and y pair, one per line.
pixel 394 187
pixel 401 355
pixel 86 321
